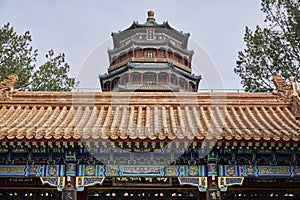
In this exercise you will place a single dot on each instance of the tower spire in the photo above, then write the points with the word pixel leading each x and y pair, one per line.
pixel 150 15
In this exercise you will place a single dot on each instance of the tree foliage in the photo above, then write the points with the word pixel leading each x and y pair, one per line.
pixel 52 76
pixel 18 56
pixel 272 50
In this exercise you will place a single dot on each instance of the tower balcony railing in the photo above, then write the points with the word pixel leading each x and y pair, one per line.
pixel 172 86
pixel 150 59
pixel 212 90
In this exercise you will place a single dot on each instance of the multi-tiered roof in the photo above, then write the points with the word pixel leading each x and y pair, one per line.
pixel 150 57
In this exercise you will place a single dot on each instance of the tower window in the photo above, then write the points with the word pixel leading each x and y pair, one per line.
pixel 174 79
pixel 163 77
pixel 135 77
pixel 183 83
pixel 161 53
pixel 149 78
pixel 149 54
pixel 150 34
pixel 106 86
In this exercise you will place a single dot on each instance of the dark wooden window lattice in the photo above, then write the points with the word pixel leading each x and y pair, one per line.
pixel 143 194
pixel 29 194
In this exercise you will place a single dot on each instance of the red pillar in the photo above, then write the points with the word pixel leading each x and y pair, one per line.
pixel 202 195
pixel 83 195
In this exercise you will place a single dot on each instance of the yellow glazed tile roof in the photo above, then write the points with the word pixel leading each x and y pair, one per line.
pixel 148 115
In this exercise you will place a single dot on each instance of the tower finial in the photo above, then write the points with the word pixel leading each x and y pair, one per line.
pixel 150 15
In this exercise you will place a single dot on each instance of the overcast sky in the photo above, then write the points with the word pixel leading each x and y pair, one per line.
pixel 81 29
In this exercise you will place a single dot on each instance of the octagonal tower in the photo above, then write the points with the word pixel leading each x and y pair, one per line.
pixel 150 57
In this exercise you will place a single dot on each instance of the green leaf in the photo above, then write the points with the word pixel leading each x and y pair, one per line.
pixel 272 50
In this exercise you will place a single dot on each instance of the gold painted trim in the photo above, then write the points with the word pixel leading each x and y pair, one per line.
pixel 60 181
pixel 226 177
pixel 199 179
pixel 81 179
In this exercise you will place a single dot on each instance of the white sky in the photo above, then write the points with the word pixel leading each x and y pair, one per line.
pixel 81 29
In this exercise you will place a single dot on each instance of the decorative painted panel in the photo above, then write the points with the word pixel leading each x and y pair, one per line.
pixel 200 182
pixel 91 170
pixel 224 182
pixel 32 170
pixel 259 171
pixel 58 182
pixel 274 171
pixel 296 171
pixel 71 170
pixel 82 182
pixel 229 170
pixel 141 170
pixel 212 170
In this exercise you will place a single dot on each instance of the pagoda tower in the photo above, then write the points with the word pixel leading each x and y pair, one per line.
pixel 150 57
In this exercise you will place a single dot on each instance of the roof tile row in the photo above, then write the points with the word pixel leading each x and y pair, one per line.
pixel 239 117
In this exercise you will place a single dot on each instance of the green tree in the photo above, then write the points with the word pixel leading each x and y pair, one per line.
pixel 272 50
pixel 17 56
pixel 52 76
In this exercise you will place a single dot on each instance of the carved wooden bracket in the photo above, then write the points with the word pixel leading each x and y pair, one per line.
pixel 285 91
pixel 7 87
